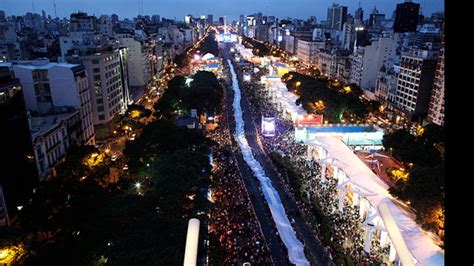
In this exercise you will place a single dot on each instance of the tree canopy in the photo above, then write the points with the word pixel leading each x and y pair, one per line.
pixel 334 104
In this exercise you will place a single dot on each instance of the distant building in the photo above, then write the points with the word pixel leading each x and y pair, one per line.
pixel 3 18
pixel 367 61
pixel 336 16
pixel 307 51
pixel 359 15
pixel 139 60
pixel 80 21
pixel 210 19
pixel 105 26
pixel 406 17
pixel 376 19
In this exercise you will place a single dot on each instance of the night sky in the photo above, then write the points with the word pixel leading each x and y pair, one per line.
pixel 231 8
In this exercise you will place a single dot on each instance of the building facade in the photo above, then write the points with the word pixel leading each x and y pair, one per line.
pixel 415 82
pixel 367 61
pixel 406 17
pixel 307 51
pixel 436 108
pixel 51 85
pixel 104 68
pixel 336 16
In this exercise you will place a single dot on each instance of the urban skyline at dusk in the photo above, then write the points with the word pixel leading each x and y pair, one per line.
pixel 301 9
pixel 233 132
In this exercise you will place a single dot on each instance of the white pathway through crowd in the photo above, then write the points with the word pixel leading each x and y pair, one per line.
pixel 285 230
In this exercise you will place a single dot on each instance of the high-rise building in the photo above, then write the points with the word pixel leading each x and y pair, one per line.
pixel 104 68
pixel 188 19
pixel 336 17
pixel 359 15
pixel 436 108
pixel 48 86
pixel 2 16
pixel 139 60
pixel 105 26
pixel 367 61
pixel 19 175
pixel 376 19
pixel 415 82
pixel 221 20
pixel 155 19
pixel 82 22
pixel 115 18
pixel 307 51
pixel 210 19
pixel 406 17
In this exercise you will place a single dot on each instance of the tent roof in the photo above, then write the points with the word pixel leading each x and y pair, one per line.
pixel 419 244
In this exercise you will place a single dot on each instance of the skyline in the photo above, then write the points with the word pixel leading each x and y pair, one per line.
pixel 177 9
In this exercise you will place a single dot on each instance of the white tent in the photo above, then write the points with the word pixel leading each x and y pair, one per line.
pixel 397 220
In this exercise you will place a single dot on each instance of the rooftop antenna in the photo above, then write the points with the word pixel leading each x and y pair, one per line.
pixel 33 4
pixel 55 14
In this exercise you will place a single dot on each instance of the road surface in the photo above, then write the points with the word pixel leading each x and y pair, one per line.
pixel 313 248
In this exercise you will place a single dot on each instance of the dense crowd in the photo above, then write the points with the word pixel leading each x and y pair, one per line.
pixel 232 218
pixel 347 224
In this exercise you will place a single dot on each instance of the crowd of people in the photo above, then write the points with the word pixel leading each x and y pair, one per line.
pixel 348 231
pixel 232 218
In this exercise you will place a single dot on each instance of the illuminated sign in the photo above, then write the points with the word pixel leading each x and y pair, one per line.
pixel 309 120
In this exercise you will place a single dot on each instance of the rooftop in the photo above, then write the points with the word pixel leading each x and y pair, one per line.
pixel 42 124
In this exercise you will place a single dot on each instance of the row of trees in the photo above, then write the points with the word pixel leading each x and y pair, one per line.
pixel 201 91
pixel 423 157
pixel 335 102
pixel 80 218
pixel 258 48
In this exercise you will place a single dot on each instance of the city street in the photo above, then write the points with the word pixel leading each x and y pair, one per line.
pixel 313 248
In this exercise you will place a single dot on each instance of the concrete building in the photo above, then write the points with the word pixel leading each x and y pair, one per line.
pixel 104 66
pixel 348 36
pixel 415 82
pixel 436 108
pixel 366 62
pixel 80 21
pixel 105 26
pixel 51 85
pixel 307 51
pixel 406 17
pixel 386 86
pixel 51 138
pixel 139 58
pixel 336 16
